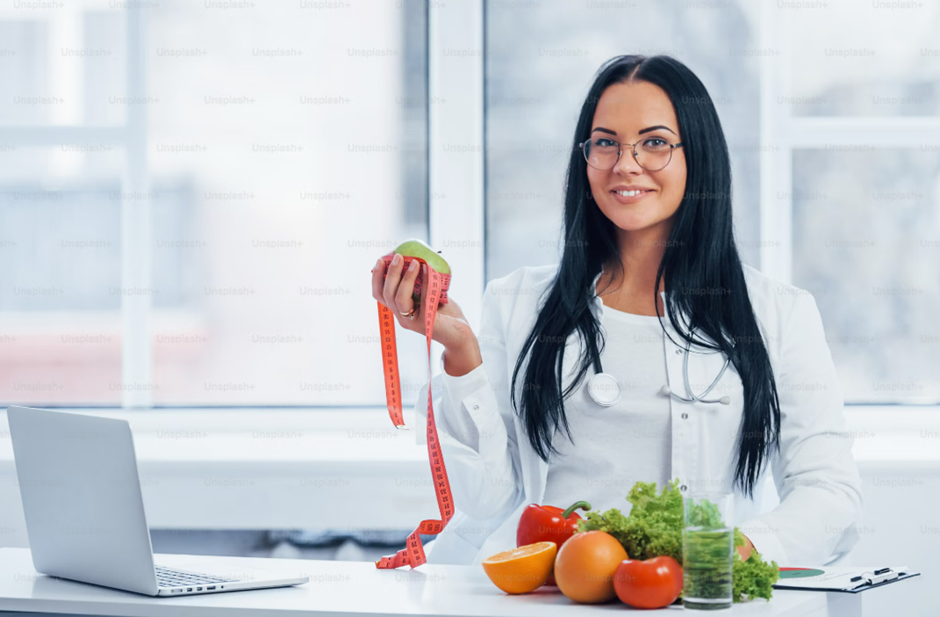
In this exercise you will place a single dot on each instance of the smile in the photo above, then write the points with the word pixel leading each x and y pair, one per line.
pixel 629 197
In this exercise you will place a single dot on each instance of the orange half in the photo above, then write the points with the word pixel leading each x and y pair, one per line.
pixel 523 569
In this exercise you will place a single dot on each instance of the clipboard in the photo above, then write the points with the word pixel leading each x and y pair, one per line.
pixel 849 579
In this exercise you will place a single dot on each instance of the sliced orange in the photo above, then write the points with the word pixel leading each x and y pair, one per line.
pixel 522 569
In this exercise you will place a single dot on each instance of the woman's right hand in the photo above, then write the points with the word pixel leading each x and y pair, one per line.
pixel 451 329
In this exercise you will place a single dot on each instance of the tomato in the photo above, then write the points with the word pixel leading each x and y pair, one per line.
pixel 653 583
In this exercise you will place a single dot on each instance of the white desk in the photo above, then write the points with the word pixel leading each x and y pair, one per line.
pixel 349 588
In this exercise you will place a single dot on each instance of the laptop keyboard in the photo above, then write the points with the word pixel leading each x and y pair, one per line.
pixel 167 577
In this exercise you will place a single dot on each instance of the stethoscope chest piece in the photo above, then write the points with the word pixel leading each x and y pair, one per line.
pixel 604 389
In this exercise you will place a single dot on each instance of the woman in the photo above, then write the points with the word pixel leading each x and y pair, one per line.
pixel 649 270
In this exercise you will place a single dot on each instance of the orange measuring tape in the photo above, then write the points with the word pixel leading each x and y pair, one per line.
pixel 413 553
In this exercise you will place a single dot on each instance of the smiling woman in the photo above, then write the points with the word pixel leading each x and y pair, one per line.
pixel 673 237
pixel 651 267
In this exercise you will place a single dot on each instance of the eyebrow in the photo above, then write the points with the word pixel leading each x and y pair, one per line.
pixel 646 130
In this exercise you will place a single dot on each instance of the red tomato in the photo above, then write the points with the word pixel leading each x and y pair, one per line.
pixel 653 583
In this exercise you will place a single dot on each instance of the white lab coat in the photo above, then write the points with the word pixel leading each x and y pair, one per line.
pixel 494 473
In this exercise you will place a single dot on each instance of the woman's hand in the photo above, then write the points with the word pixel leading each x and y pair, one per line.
pixel 394 291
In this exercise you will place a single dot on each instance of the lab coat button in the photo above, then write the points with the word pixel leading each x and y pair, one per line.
pixel 678 351
pixel 685 416
pixel 683 487
pixel 476 406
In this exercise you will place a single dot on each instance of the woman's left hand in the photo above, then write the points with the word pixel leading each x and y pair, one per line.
pixel 745 549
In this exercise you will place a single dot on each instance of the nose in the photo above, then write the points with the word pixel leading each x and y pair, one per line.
pixel 627 162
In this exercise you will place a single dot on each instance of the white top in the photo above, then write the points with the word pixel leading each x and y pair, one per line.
pixel 630 441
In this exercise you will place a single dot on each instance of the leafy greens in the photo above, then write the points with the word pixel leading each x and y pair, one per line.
pixel 654 527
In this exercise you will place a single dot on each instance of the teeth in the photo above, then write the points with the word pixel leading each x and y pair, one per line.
pixel 628 193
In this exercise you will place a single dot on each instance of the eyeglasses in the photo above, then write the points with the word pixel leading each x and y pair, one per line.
pixel 603 153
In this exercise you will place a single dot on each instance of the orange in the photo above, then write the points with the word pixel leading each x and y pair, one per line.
pixel 522 569
pixel 584 569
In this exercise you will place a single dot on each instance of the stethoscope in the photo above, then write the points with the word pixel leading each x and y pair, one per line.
pixel 605 390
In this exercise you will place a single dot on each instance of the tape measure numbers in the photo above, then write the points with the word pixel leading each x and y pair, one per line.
pixel 413 553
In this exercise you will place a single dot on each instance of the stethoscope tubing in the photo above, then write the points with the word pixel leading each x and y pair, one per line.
pixel 595 384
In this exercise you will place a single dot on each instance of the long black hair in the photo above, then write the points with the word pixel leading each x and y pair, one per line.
pixel 701 269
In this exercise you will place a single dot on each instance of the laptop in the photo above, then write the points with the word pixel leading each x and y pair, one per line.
pixel 85 513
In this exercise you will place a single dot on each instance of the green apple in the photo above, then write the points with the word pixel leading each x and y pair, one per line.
pixel 418 248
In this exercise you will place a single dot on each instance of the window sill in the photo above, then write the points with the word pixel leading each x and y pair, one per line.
pixel 341 469
pixel 262 468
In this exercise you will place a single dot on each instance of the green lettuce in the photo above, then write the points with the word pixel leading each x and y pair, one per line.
pixel 654 527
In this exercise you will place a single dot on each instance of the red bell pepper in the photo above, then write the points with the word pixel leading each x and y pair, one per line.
pixel 548 524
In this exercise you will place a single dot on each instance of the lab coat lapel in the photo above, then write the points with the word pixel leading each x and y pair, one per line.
pixel 699 429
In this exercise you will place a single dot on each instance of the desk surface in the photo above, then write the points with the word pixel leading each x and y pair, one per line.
pixel 344 588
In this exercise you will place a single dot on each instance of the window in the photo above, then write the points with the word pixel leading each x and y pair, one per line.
pixel 857 121
pixel 865 244
pixel 189 193
pixel 192 195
